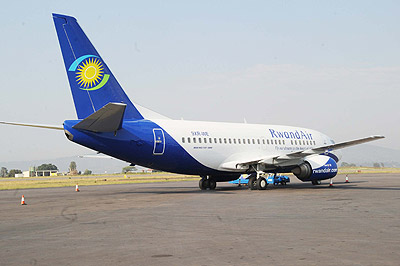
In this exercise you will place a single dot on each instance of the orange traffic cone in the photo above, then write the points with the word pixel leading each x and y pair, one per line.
pixel 76 188
pixel 23 200
pixel 347 178
pixel 331 183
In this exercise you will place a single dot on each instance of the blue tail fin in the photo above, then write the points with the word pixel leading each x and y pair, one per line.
pixel 92 83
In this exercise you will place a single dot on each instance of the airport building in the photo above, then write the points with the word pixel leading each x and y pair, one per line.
pixel 32 172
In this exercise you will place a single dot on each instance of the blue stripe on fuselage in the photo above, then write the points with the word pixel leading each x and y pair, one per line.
pixel 134 143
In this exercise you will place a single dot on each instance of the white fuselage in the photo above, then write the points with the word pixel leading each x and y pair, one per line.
pixel 213 144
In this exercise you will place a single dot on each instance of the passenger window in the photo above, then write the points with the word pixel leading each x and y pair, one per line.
pixel 248 141
pixel 220 141
pixel 215 140
pixel 239 141
pixel 283 142
pixel 183 140
pixel 199 140
pixel 279 141
pixel 244 141
pixel 194 140
pixel 225 141
pixel 314 142
pixel 230 141
pixel 258 141
pixel 234 141
pixel 267 141
pixel 264 141
pixel 205 140
pixel 276 142
pixel 304 142
pixel 210 140
pixel 188 140
pixel 253 141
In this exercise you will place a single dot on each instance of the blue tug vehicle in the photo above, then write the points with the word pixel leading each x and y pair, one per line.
pixel 271 179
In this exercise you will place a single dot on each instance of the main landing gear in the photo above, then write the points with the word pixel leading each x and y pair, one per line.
pixel 256 181
pixel 207 182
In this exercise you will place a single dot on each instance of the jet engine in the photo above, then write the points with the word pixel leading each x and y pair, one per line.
pixel 317 167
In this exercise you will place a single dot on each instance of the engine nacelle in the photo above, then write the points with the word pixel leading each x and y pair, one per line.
pixel 317 167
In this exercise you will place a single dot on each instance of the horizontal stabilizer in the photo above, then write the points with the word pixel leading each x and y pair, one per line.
pixel 107 119
pixel 32 125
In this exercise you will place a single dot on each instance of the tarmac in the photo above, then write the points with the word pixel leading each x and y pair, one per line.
pixel 174 223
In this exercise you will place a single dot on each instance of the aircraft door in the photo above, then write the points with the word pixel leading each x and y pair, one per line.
pixel 159 141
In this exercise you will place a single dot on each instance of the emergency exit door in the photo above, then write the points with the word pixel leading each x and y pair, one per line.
pixel 159 141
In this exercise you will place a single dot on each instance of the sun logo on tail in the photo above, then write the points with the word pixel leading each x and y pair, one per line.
pixel 89 72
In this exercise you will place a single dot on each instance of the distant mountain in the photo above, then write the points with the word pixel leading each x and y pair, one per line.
pixel 96 165
pixel 365 155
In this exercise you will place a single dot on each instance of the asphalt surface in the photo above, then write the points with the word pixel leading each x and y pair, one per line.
pixel 177 224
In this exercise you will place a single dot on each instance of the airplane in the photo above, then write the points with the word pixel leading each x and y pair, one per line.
pixel 110 123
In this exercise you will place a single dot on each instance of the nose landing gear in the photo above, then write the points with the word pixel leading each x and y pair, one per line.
pixel 256 181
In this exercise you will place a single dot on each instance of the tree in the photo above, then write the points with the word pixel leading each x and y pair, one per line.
pixel 72 168
pixel 48 166
pixel 344 164
pixel 13 172
pixel 3 172
pixel 87 172
pixel 377 165
pixel 128 169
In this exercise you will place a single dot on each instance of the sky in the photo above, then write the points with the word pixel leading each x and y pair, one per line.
pixel 333 66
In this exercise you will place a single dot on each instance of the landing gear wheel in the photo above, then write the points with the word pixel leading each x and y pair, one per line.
pixel 253 183
pixel 207 183
pixel 212 184
pixel 203 183
pixel 262 183
pixel 316 182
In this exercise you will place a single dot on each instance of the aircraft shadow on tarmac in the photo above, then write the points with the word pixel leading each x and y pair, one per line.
pixel 232 189
pixel 178 190
pixel 341 185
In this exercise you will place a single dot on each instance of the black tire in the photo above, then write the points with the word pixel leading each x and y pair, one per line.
pixel 262 183
pixel 203 184
pixel 253 183
pixel 212 183
pixel 283 183
pixel 316 182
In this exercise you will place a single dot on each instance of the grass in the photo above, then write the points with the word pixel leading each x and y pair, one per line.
pixel 93 180
pixel 368 170
pixel 67 181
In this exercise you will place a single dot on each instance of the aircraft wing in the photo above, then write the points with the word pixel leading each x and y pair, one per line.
pixel 295 156
pixel 97 156
pixel 326 148
pixel 32 125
